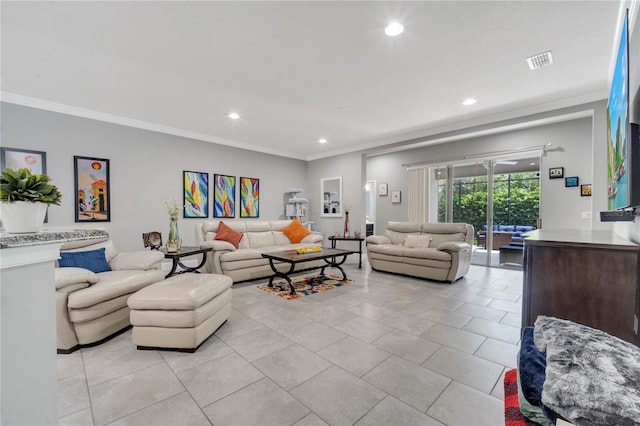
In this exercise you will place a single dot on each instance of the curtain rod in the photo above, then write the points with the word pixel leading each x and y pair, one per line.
pixel 544 148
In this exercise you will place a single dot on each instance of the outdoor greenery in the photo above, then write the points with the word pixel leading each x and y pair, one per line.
pixel 516 199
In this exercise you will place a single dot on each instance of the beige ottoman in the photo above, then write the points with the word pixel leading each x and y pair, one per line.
pixel 180 312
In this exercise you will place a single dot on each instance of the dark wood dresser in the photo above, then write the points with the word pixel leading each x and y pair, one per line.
pixel 589 277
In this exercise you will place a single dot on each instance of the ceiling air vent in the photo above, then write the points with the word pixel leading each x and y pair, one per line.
pixel 540 60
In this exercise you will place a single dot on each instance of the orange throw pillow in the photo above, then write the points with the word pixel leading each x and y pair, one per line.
pixel 226 233
pixel 295 231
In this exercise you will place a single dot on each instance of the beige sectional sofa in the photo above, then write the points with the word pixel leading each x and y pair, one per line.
pixel 402 250
pixel 246 262
pixel 92 306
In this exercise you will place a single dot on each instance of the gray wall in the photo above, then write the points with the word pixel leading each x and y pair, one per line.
pixel 576 143
pixel 146 169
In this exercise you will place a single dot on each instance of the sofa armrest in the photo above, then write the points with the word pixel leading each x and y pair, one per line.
pixel 453 246
pixel 378 239
pixel 218 245
pixel 137 260
pixel 65 277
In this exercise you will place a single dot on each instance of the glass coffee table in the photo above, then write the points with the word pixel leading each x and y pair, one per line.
pixel 332 257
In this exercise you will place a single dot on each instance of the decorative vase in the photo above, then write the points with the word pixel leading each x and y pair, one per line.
pixel 346 224
pixel 21 217
pixel 173 242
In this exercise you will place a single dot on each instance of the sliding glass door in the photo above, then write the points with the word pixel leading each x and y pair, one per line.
pixel 499 197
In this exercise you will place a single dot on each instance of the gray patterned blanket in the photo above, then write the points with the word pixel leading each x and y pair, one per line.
pixel 592 378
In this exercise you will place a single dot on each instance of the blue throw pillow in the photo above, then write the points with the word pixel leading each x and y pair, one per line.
pixel 532 368
pixel 93 260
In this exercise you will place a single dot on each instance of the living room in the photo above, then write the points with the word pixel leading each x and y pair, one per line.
pixel 147 159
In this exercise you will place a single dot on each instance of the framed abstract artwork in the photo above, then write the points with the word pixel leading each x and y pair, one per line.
pixel 224 196
pixel 249 197
pixel 195 194
pixel 16 158
pixel 556 172
pixel 91 183
pixel 585 190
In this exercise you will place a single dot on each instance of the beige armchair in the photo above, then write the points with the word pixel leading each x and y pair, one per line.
pixel 90 307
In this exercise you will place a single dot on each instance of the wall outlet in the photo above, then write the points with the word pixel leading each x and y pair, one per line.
pixel 586 215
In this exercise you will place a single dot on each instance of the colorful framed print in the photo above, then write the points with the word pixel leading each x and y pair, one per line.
pixel 585 190
pixel 91 183
pixel 556 172
pixel 249 197
pixel 195 194
pixel 16 158
pixel 571 181
pixel 224 196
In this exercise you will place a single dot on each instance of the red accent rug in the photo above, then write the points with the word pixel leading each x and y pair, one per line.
pixel 512 414
pixel 303 286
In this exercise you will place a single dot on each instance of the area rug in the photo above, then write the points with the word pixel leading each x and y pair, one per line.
pixel 512 414
pixel 303 286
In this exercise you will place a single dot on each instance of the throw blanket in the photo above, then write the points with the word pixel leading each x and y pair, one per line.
pixel 592 378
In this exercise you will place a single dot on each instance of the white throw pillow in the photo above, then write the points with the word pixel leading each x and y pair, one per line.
pixel 417 241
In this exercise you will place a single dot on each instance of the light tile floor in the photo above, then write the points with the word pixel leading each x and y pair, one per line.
pixel 385 350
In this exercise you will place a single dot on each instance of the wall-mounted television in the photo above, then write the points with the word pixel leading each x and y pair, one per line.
pixel 623 154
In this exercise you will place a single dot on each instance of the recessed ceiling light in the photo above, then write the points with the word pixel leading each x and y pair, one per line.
pixel 234 116
pixel 323 140
pixel 393 29
pixel 469 101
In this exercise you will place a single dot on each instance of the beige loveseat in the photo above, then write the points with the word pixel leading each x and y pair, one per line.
pixel 246 261
pixel 92 306
pixel 402 250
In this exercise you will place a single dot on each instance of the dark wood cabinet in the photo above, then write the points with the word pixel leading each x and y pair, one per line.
pixel 587 277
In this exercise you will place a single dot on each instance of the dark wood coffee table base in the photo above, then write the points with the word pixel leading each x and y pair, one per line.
pixel 332 257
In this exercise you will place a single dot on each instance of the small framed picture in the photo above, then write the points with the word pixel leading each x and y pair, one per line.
pixel 585 190
pixel 383 189
pixel 571 181
pixel 395 197
pixel 16 158
pixel 556 172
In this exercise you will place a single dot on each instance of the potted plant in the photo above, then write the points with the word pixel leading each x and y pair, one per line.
pixel 24 198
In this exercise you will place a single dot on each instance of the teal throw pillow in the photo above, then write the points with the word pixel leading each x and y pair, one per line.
pixel 93 260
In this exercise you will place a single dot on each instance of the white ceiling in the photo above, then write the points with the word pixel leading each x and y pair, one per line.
pixel 299 71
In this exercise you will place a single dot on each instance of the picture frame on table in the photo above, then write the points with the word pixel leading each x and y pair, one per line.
pixel 571 181
pixel 556 172
pixel 92 193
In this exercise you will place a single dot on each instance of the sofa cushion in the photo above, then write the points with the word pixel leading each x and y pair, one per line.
pixel 295 231
pixel 524 228
pixel 260 239
pixel 389 249
pixel 428 253
pixel 93 260
pixel 417 241
pixel 225 233
pixel 398 237
pixel 437 239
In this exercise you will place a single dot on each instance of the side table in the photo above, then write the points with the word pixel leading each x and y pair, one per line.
pixel 334 240
pixel 175 256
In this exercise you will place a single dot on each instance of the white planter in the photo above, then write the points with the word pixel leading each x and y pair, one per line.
pixel 22 216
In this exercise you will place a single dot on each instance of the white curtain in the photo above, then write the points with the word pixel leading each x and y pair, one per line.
pixel 419 195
